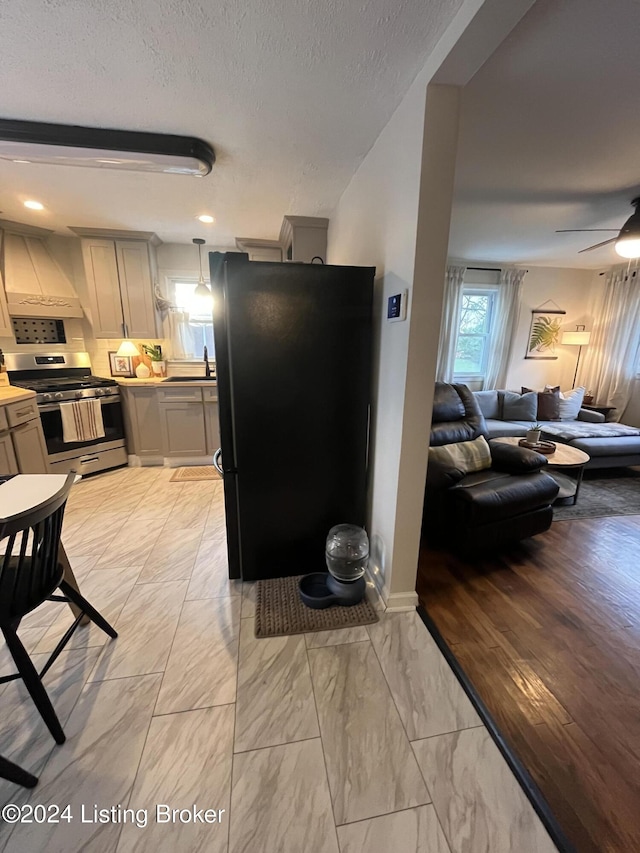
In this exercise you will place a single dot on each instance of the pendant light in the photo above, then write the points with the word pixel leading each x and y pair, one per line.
pixel 203 297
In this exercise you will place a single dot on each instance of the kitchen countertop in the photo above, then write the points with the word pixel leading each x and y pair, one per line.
pixel 10 394
pixel 152 381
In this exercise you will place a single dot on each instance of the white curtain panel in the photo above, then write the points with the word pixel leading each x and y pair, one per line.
pixel 453 284
pixel 610 361
pixel 505 324
pixel 182 345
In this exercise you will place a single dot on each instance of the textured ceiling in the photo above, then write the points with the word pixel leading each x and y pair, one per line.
pixel 291 94
pixel 550 133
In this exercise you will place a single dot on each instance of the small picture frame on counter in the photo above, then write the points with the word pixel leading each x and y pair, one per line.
pixel 121 365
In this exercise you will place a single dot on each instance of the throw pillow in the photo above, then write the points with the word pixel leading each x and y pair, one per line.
pixel 489 403
pixel 519 407
pixel 466 456
pixel 571 403
pixel 548 403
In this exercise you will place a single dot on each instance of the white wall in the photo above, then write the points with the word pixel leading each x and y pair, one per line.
pixel 573 290
pixel 395 214
pixel 375 224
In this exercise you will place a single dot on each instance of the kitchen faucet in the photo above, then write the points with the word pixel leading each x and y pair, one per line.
pixel 207 368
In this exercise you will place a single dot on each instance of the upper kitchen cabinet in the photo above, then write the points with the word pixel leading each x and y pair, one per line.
pixel 304 238
pixel 260 250
pixel 34 283
pixel 120 279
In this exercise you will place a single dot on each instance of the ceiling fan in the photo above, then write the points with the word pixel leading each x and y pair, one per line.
pixel 627 243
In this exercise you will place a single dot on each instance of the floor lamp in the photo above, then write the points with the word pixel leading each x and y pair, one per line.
pixel 579 339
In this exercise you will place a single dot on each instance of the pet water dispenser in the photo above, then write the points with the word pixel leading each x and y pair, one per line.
pixel 346 555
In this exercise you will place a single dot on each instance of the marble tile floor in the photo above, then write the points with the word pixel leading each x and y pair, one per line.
pixel 336 742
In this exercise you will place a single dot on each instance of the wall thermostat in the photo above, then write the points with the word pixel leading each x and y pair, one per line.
pixel 397 307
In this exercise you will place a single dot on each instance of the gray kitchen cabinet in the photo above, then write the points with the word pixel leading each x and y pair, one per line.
pixel 260 250
pixel 171 420
pixel 8 461
pixel 183 429
pixel 30 447
pixel 304 238
pixel 142 421
pixel 136 287
pixel 22 413
pixel 212 426
pixel 120 286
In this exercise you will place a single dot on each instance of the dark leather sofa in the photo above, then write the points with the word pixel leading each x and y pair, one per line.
pixel 486 509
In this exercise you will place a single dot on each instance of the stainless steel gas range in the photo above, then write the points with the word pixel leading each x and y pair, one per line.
pixel 61 377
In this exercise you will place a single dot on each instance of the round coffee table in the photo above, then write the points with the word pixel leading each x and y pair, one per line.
pixel 565 458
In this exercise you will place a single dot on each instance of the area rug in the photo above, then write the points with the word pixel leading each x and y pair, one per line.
pixel 195 472
pixel 610 491
pixel 280 612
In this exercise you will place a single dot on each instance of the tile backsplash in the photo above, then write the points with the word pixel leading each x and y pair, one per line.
pixel 99 350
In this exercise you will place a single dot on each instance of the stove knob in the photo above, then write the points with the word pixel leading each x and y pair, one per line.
pixel 58 395
pixel 46 396
pixel 99 392
pixel 78 394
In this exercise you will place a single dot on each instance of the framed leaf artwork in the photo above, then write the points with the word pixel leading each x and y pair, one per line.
pixel 544 334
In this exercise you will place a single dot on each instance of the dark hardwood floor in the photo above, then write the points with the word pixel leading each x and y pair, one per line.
pixel 549 635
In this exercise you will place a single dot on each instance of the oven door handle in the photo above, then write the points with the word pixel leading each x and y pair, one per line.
pixel 53 407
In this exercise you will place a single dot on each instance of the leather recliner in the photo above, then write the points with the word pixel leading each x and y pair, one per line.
pixel 486 509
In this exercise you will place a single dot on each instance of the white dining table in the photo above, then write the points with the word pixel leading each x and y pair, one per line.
pixel 26 491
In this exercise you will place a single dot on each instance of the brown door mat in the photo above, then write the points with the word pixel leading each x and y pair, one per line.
pixel 195 472
pixel 279 611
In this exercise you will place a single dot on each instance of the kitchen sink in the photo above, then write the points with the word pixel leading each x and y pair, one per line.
pixel 190 379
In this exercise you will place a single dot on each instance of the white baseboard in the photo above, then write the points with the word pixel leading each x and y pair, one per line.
pixel 400 601
pixel 395 601
pixel 167 461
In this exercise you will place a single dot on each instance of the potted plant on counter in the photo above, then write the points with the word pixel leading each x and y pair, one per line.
pixel 154 351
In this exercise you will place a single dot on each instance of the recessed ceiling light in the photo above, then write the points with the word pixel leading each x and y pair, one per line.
pixel 206 218
pixel 34 205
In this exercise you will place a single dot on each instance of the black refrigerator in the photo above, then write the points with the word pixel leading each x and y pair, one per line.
pixel 293 363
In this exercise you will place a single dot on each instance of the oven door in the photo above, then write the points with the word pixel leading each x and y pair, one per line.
pixel 111 409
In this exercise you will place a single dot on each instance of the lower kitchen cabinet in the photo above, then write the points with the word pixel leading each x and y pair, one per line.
pixel 30 448
pixel 211 424
pixel 171 421
pixel 183 429
pixel 8 461
pixel 142 421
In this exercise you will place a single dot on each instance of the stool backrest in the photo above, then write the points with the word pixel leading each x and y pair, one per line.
pixel 29 567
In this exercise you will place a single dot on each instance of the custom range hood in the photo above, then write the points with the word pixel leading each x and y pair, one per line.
pixel 34 282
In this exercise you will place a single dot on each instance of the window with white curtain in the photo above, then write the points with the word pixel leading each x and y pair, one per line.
pixel 181 293
pixel 475 326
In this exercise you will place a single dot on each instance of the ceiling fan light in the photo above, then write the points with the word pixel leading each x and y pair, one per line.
pixel 628 247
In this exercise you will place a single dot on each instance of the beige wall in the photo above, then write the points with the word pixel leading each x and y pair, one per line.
pixel 573 290
pixel 376 223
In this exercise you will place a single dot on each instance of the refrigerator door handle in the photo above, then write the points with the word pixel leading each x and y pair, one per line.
pixel 216 457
